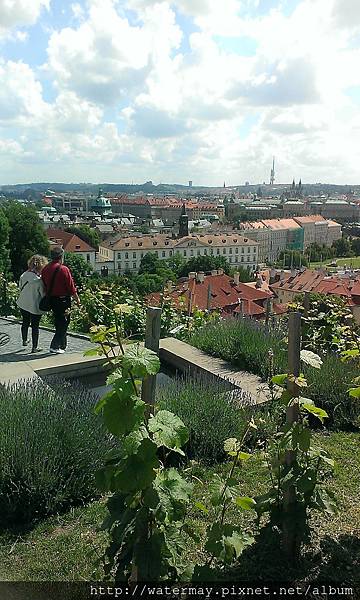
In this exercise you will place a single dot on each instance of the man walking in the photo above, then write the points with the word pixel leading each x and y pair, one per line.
pixel 60 287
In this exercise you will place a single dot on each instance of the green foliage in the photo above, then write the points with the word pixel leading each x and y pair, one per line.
pixel 328 326
pixel 9 293
pixel 247 344
pixel 211 411
pixel 292 258
pixel 26 237
pixel 204 263
pixel 298 468
pixel 88 234
pixel 149 500
pixel 342 247
pixel 4 243
pixel 79 267
pixel 50 443
pixel 244 343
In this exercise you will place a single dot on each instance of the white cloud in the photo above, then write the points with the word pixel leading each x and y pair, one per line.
pixel 15 13
pixel 20 93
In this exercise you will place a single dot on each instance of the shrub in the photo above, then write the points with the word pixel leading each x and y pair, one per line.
pixel 328 388
pixel 211 411
pixel 51 443
pixel 244 343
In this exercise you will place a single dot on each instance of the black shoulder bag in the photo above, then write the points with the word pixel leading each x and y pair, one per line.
pixel 45 302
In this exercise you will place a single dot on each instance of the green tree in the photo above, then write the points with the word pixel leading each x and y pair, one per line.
pixel 205 263
pixel 355 245
pixel 26 236
pixel 4 242
pixel 88 234
pixel 292 258
pixel 342 247
pixel 149 263
pixel 78 266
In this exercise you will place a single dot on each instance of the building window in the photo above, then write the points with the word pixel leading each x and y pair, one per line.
pixel 198 253
pixel 242 250
pixel 191 252
pixel 134 254
pixel 163 253
pixel 242 259
pixel 126 255
pixel 236 250
pixel 218 251
pixel 184 252
pixel 254 249
pixel 230 250
pixel 126 266
pixel 224 251
pixel 248 249
pixel 170 253
pixel 119 255
pixel 134 265
pixel 205 251
pixel 88 257
pixel 248 258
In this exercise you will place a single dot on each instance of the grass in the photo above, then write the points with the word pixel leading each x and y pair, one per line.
pixel 68 547
pixel 352 261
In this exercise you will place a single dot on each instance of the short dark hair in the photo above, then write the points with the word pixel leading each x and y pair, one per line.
pixel 56 252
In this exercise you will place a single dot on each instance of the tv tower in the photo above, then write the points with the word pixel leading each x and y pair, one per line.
pixel 272 172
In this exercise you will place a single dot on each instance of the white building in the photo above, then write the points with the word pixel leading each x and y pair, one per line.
pixel 126 253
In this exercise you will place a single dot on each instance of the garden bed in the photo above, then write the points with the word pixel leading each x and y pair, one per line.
pixel 68 547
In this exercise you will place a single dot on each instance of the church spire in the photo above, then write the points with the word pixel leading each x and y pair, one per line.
pixel 183 223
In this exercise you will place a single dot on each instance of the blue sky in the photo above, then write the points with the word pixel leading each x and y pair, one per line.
pixel 126 90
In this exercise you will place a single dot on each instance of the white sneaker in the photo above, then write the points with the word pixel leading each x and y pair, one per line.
pixel 58 351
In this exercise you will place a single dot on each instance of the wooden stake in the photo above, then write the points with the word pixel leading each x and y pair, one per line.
pixel 291 545
pixel 152 341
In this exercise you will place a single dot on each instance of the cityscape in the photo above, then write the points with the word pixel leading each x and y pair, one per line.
pixel 179 299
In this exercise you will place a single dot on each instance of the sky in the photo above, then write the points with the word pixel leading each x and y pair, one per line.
pixel 123 91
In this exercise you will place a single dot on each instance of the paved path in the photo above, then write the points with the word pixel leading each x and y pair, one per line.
pixel 14 352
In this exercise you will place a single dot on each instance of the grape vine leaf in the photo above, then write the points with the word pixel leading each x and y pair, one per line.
pixel 227 542
pixel 168 431
pixel 140 361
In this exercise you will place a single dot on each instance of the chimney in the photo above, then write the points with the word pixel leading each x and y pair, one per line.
pixel 200 278
pixel 220 271
pixel 259 282
pixel 192 275
pixel 282 275
pixel 237 278
pixel 214 272
pixel 272 276
pixel 293 272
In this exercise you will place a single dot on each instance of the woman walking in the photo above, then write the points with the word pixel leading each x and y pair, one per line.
pixel 31 291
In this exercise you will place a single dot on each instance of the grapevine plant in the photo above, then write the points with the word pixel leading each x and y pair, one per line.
pixel 297 466
pixel 148 501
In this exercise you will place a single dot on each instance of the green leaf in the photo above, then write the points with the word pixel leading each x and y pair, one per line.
pixel 310 358
pixel 245 502
pixel 168 430
pixel 93 352
pixel 102 402
pixel 122 412
pixel 123 309
pixel 201 507
pixel 304 438
pixel 232 445
pixel 354 392
pixel 140 361
pixel 174 493
pixel 244 455
pixel 137 471
pixel 280 380
pixel 221 490
pixel 227 542
pixel 319 413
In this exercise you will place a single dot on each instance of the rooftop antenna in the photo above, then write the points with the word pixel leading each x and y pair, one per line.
pixel 272 172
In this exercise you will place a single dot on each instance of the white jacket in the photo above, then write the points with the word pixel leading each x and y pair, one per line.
pixel 31 291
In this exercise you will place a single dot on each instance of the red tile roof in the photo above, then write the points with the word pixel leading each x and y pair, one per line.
pixel 69 241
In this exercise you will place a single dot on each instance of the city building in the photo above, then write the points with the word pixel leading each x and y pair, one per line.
pixel 101 205
pixel 217 292
pixel 72 243
pixel 127 252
